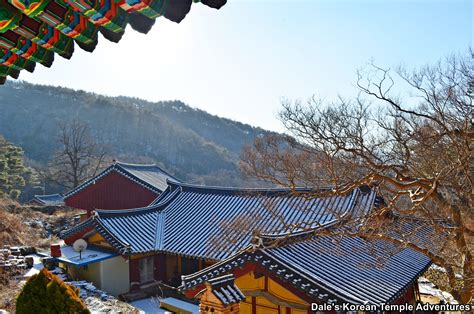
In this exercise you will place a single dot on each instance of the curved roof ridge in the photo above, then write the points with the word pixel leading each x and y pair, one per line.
pixel 120 163
pixel 290 235
pixel 46 195
pixel 121 212
pixel 198 187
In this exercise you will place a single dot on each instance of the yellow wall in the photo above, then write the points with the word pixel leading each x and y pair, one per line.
pixel 89 272
pixel 246 307
pixel 96 237
pixel 277 295
pixel 98 240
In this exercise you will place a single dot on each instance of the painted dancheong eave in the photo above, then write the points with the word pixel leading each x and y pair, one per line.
pixel 33 31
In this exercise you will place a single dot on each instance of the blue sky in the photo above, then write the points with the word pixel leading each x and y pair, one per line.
pixel 240 61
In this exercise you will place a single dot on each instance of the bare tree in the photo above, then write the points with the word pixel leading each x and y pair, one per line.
pixel 416 150
pixel 79 157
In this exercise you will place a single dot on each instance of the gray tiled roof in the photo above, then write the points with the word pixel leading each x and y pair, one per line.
pixel 151 174
pixel 49 199
pixel 347 270
pixel 225 290
pixel 198 221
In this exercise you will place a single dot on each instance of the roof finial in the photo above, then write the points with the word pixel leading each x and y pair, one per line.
pixel 257 241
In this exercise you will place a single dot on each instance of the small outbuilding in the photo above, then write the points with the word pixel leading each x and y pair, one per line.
pixel 47 200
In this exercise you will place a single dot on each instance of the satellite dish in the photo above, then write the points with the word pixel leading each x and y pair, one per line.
pixel 79 246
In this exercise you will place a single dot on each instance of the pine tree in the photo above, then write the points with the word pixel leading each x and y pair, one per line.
pixel 12 170
pixel 46 293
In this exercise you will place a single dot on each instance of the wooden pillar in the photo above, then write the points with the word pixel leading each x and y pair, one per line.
pixel 134 272
pixel 160 267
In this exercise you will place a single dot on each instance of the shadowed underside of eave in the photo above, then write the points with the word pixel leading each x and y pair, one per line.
pixel 34 31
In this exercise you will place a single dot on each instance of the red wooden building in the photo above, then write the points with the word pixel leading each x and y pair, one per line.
pixel 120 186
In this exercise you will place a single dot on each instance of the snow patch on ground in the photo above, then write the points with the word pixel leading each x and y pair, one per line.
pixel 87 289
pixel 37 266
pixel 441 269
pixel 426 287
pixel 99 301
pixel 149 306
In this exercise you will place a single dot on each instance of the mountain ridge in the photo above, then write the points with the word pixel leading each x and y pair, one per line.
pixel 192 144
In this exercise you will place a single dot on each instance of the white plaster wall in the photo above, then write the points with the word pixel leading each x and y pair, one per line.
pixel 115 277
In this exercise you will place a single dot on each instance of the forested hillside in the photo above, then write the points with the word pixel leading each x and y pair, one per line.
pixel 190 143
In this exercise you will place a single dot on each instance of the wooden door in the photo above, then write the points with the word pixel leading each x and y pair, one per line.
pixel 146 268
